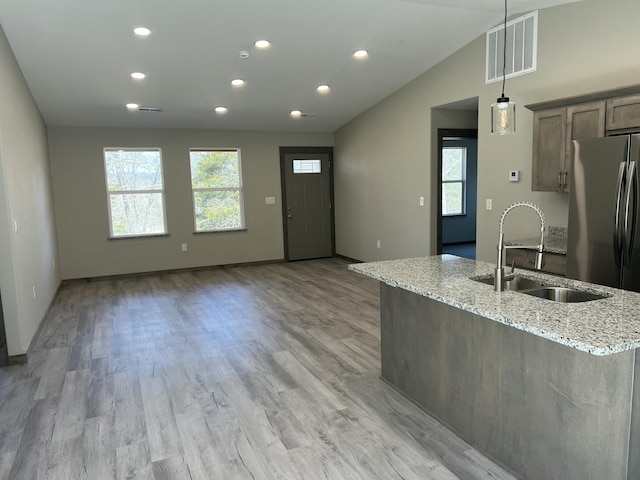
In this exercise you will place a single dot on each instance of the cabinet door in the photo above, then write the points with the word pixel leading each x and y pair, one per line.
pixel 585 120
pixel 623 113
pixel 549 149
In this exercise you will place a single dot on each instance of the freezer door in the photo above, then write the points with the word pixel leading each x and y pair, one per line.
pixel 631 269
pixel 593 241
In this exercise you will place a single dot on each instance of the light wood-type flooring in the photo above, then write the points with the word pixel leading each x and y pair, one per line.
pixel 252 372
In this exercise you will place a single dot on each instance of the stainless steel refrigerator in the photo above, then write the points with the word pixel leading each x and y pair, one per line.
pixel 604 207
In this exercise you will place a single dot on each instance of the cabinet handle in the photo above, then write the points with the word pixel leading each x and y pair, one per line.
pixel 565 175
pixel 559 178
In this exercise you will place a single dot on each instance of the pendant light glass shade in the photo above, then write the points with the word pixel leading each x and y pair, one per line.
pixel 503 112
pixel 503 116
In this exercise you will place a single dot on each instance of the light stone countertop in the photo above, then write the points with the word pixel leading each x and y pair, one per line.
pixel 554 242
pixel 599 327
pixel 551 244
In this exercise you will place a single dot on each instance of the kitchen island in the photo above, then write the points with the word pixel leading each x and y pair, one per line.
pixel 546 389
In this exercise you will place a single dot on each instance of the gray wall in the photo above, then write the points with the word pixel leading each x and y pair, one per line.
pixel 28 257
pixel 385 158
pixel 81 200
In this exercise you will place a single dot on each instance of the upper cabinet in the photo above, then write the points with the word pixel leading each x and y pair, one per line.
pixel 553 132
pixel 557 123
pixel 623 114
pixel 549 145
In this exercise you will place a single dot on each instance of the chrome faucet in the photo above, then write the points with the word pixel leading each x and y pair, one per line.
pixel 500 277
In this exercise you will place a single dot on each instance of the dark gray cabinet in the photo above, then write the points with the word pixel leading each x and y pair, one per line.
pixel 585 120
pixel 549 146
pixel 623 114
pixel 556 123
pixel 553 132
pixel 555 263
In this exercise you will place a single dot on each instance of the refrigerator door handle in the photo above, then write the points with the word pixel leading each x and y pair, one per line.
pixel 630 212
pixel 617 237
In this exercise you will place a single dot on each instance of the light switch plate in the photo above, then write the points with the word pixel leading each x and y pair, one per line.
pixel 514 175
pixel 269 200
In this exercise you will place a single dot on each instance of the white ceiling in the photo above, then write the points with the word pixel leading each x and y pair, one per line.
pixel 77 56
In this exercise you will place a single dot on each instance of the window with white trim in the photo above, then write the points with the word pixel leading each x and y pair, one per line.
pixel 135 191
pixel 454 185
pixel 216 182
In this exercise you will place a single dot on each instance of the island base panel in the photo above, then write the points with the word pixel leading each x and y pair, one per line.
pixel 542 409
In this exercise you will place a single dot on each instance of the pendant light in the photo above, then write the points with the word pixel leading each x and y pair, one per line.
pixel 503 112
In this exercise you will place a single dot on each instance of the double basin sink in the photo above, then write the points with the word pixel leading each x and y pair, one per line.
pixel 541 289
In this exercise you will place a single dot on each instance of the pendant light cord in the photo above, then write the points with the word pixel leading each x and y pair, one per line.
pixel 504 49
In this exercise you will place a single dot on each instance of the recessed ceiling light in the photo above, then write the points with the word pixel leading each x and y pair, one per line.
pixel 262 44
pixel 141 31
pixel 296 113
pixel 237 82
pixel 221 110
pixel 138 75
pixel 133 106
pixel 323 88
pixel 361 54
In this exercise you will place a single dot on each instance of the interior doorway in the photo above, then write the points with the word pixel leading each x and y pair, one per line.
pixel 307 202
pixel 457 191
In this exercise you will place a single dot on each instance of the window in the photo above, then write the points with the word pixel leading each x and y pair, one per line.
pixel 136 192
pixel 307 166
pixel 454 166
pixel 216 182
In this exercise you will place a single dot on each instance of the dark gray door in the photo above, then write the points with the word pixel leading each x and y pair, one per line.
pixel 307 202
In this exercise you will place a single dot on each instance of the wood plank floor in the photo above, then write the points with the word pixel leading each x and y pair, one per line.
pixel 253 372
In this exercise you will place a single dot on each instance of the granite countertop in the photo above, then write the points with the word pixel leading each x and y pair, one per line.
pixel 554 242
pixel 600 327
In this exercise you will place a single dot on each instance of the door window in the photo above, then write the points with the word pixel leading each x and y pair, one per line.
pixel 307 166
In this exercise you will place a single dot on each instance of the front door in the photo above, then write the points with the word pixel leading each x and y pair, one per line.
pixel 307 206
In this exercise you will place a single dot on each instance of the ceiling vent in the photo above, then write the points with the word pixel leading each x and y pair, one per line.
pixel 521 48
pixel 149 109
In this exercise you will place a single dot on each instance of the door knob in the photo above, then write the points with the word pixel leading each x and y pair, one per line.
pixel 289 216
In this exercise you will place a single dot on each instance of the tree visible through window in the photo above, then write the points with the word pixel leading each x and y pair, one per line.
pixel 136 192
pixel 216 182
pixel 454 165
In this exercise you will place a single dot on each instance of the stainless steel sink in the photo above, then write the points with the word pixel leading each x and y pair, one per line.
pixel 516 283
pixel 563 294
pixel 539 289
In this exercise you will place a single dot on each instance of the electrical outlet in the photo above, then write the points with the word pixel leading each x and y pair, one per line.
pixel 489 204
pixel 378 243
pixel 184 247
pixel 422 201
pixel 269 200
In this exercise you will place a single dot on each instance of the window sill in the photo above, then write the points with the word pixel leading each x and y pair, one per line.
pixel 207 232
pixel 130 237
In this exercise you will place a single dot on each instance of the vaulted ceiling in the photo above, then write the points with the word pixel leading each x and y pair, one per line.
pixel 77 57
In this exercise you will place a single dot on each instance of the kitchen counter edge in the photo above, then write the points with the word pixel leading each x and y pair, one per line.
pixel 599 327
